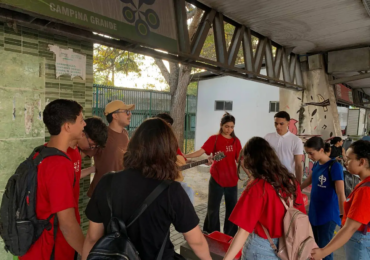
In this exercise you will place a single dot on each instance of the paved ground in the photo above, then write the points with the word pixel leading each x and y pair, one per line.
pixel 197 178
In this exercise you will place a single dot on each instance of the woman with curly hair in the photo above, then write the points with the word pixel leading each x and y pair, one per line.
pixel 260 203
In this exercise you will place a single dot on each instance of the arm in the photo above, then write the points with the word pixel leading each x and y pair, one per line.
pixel 298 168
pixel 87 171
pixel 95 232
pixel 344 154
pixel 307 182
pixel 70 229
pixel 237 244
pixel 338 241
pixel 195 154
pixel 339 188
pixel 198 243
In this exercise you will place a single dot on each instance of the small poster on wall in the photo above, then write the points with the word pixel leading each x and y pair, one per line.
pixel 344 93
pixel 69 63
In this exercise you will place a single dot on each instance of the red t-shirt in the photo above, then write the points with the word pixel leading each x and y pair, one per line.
pixel 55 192
pixel 356 206
pixel 180 153
pixel 224 171
pixel 75 156
pixel 261 204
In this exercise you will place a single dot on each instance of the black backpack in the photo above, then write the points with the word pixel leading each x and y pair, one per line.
pixel 116 245
pixel 19 226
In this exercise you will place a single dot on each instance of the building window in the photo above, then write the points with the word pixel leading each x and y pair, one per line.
pixel 274 106
pixel 223 105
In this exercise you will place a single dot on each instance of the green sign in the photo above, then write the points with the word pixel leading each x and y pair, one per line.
pixel 148 22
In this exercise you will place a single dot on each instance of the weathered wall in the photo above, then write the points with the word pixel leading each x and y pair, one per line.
pixel 314 111
pixel 27 83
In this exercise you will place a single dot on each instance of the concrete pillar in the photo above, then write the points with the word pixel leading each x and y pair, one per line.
pixel 313 110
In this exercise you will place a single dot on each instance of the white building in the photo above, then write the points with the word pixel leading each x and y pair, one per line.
pixel 252 104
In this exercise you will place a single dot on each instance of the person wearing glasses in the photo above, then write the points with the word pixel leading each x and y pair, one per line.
pixel 110 158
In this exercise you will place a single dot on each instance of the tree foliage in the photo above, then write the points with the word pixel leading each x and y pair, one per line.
pixel 209 47
pixel 109 61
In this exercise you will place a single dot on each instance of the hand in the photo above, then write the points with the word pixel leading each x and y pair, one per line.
pixel 210 160
pixel 317 254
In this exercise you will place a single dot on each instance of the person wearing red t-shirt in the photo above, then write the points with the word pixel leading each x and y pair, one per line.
pixel 354 234
pixel 224 177
pixel 260 202
pixel 56 186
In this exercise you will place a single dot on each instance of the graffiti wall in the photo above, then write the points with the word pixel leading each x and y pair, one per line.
pixel 313 111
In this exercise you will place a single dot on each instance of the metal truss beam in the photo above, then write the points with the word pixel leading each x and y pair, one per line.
pixel 281 72
pixel 349 79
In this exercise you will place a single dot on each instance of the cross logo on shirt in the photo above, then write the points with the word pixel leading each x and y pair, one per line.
pixel 322 179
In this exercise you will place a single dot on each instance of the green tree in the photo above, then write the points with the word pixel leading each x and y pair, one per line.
pixel 109 61
pixel 193 88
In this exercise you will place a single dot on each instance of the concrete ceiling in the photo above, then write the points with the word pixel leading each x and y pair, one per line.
pixel 306 25
pixel 363 84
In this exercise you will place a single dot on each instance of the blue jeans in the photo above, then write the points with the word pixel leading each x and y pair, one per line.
pixel 189 191
pixel 358 246
pixel 258 248
pixel 323 235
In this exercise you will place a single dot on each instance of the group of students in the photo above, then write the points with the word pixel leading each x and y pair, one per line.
pixel 152 155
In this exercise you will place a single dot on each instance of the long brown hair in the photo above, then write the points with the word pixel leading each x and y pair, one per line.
pixel 152 150
pixel 226 118
pixel 262 162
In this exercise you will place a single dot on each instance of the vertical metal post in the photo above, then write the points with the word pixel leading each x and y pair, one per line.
pixel 186 123
pixel 150 104
pixel 96 107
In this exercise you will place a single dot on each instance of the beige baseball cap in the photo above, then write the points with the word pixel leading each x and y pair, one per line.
pixel 116 105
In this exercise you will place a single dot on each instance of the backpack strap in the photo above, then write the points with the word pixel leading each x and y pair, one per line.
pixel 329 172
pixel 272 244
pixel 45 152
pixel 152 196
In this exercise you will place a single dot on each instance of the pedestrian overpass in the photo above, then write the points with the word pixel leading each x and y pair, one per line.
pixel 316 52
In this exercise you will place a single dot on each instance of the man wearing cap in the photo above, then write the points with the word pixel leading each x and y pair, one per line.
pixel 110 158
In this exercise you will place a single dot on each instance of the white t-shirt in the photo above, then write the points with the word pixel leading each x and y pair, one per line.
pixel 286 147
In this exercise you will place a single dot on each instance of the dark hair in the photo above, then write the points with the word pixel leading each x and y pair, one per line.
pixel 262 162
pixel 315 143
pixel 369 132
pixel 282 114
pixel 59 112
pixel 226 118
pixel 361 149
pixel 335 140
pixel 96 130
pixel 152 150
pixel 327 148
pixel 109 118
pixel 166 117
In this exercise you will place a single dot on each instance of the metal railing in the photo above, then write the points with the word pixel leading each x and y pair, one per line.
pixel 147 104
